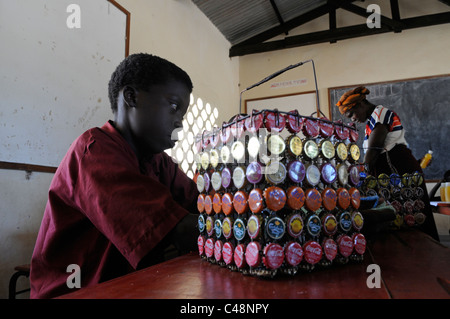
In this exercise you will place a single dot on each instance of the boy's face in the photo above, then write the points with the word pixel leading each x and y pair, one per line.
pixel 158 112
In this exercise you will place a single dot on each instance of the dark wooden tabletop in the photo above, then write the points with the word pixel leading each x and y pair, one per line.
pixel 412 265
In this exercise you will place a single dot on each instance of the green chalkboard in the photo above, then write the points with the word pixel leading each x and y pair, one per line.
pixel 423 105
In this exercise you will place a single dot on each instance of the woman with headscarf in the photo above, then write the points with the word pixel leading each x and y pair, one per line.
pixel 384 143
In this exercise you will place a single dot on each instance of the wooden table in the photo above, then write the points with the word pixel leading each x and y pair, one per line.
pixel 412 265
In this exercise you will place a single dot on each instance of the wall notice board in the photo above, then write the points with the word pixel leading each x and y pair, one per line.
pixel 423 105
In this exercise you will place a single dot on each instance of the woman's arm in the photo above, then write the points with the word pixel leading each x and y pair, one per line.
pixel 375 145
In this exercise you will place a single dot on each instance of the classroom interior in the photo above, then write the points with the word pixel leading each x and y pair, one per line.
pixel 54 83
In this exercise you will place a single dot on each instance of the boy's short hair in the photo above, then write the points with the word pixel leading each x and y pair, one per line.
pixel 142 70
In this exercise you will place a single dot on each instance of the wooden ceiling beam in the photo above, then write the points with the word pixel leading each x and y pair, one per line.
pixel 337 34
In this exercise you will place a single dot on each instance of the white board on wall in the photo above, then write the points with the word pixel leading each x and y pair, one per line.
pixel 54 79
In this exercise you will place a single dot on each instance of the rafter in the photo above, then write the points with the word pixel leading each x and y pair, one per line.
pixel 259 43
pixel 337 34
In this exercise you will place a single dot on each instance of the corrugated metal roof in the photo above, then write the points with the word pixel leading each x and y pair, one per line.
pixel 239 20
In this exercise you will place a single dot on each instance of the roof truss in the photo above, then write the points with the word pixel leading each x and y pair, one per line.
pixel 259 43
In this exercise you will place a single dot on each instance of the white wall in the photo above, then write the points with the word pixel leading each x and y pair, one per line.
pixel 53 110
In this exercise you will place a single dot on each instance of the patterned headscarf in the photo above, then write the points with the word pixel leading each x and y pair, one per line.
pixel 351 98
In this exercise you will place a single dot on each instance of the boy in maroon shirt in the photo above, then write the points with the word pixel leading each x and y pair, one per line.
pixel 117 199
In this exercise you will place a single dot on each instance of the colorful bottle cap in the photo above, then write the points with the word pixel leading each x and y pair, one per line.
pixel 227 203
pixel 419 218
pixel 240 202
pixel 395 179
pixel 341 131
pixel 225 154
pixel 254 122
pixel 214 158
pixel 326 127
pixel 295 225
pixel 328 173
pixel 312 175
pixel 329 224
pixel 218 228
pixel 295 197
pixel 345 244
pixel 275 198
pixel 217 203
pixel 274 121
pixel 342 173
pixel 227 227
pixel 207 180
pixel 343 197
pixel 204 160
pixel 239 229
pixel 238 256
pixel 254 226
pixel 345 221
pixel 354 152
pixel 275 144
pixel 209 225
pixel 225 135
pixel 409 220
pixel 275 227
pixel 353 174
pixel 201 223
pixel 201 203
pixel 216 181
pixel 253 146
pixel 327 149
pixel 370 182
pixel 417 178
pixel 275 172
pixel 313 225
pixel 296 171
pixel 227 253
pixel 408 206
pixel 329 198
pixel 357 220
pixel 200 183
pixel 295 145
pixel 310 127
pixel 313 252
pixel 311 149
pixel 237 128
pixel 397 205
pixel 208 204
pixel 294 122
pixel 239 177
pixel 252 256
pixel 330 249
pixel 218 245
pixel 419 192
pixel 313 199
pixel 254 173
pixel 406 179
pixel 214 138
pixel 383 180
pixel 385 193
pixel 353 133
pixel 238 151
pixel 341 151
pixel 293 253
pixel 359 243
pixel 273 256
pixel 201 245
pixel 226 177
pixel 419 205
pixel 256 200
pixel 209 247
pixel 355 197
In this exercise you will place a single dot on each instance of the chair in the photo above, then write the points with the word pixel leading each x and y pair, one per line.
pixel 22 270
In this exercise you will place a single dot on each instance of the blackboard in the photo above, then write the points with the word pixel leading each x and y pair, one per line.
pixel 423 105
